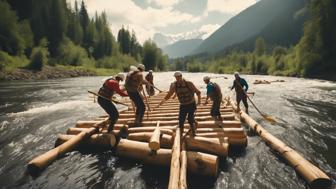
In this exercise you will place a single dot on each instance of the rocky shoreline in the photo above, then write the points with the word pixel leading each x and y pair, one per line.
pixel 47 72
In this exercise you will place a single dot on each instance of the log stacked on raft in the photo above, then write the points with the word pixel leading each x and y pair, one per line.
pixel 158 141
pixel 313 175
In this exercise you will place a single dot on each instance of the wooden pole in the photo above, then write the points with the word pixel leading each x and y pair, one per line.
pixel 42 161
pixel 154 142
pixel 183 171
pixel 175 162
pixel 99 140
pixel 313 175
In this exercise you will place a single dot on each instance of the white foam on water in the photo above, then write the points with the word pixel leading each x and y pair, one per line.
pixel 64 105
pixel 3 125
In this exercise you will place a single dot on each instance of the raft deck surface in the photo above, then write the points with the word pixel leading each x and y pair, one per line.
pixel 156 142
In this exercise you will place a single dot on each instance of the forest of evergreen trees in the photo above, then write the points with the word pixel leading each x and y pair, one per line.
pixel 34 33
pixel 314 56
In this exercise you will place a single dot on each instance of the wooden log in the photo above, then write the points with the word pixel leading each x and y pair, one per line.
pixel 313 175
pixel 173 110
pixel 75 130
pixel 201 124
pixel 163 119
pixel 175 122
pixel 42 161
pixel 183 168
pixel 166 141
pixel 197 163
pixel 173 114
pixel 213 146
pixel 226 131
pixel 154 142
pixel 163 130
pixel 85 124
pixel 175 161
pixel 212 124
pixel 202 163
pixel 99 140
pixel 208 145
pixel 140 151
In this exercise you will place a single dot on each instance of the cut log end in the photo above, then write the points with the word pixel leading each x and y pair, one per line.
pixel 154 146
pixel 33 169
pixel 320 183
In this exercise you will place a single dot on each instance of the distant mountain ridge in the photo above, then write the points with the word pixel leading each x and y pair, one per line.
pixel 181 48
pixel 274 20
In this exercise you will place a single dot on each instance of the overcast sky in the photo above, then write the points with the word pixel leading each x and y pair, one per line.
pixel 168 17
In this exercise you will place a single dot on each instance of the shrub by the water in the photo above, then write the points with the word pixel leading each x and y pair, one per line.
pixel 38 58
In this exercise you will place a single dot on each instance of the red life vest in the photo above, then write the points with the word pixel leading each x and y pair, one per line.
pixel 105 91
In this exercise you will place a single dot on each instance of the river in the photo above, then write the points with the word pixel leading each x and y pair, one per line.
pixel 32 113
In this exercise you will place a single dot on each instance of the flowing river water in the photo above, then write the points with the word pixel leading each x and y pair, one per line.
pixel 32 113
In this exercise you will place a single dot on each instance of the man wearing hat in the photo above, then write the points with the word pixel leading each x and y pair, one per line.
pixel 109 88
pixel 215 94
pixel 150 88
pixel 185 91
pixel 133 85
pixel 239 84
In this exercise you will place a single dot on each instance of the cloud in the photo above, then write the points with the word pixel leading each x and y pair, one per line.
pixel 143 21
pixel 164 3
pixel 147 17
pixel 229 6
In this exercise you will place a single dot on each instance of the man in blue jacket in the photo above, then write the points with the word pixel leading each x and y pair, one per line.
pixel 241 87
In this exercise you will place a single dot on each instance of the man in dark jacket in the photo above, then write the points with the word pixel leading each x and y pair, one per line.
pixel 150 88
pixel 239 84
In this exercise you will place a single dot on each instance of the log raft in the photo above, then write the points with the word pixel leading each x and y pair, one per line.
pixel 158 140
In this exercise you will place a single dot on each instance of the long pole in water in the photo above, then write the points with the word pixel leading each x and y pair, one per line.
pixel 313 175
pixel 266 117
pixel 115 101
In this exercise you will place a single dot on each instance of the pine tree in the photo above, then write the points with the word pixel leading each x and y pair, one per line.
pixel 259 46
pixel 124 40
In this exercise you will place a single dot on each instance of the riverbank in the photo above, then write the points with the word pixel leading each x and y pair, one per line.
pixel 50 72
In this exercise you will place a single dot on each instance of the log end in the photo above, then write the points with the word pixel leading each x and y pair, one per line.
pixel 154 146
pixel 320 183
pixel 113 140
pixel 33 169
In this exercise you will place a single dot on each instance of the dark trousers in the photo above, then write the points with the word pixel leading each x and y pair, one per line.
pixel 185 110
pixel 243 98
pixel 215 109
pixel 110 109
pixel 139 104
